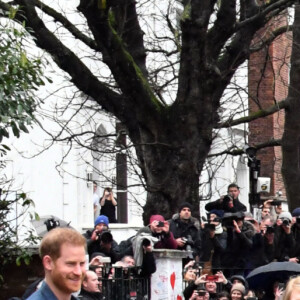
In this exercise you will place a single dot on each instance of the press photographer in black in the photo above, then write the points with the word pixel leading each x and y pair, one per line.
pixel 229 202
pixel 284 240
pixel 101 240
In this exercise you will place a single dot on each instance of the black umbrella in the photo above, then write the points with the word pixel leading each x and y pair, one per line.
pixel 264 277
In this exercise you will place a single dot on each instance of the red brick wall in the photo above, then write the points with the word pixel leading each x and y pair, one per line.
pixel 268 80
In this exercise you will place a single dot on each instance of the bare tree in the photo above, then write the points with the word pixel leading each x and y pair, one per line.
pixel 171 107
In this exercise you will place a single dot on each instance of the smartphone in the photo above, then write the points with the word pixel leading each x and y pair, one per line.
pixel 211 278
pixel 160 224
pixel 281 285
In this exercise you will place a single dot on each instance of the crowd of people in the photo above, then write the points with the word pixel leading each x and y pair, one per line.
pixel 222 250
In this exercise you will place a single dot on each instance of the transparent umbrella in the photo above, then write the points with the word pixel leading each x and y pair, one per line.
pixel 46 223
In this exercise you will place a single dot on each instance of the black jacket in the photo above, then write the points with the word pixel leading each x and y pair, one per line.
pixel 188 229
pixel 239 246
pixel 213 248
pixel 223 205
pixel 85 295
pixel 94 246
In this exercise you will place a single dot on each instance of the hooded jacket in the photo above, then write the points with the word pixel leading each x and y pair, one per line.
pixel 187 230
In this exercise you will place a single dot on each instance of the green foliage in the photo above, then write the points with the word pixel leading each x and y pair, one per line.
pixel 20 77
pixel 11 247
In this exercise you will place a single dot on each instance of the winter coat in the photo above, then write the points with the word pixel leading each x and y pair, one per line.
pixel 284 244
pixel 239 246
pixel 215 246
pixel 222 205
pixel 85 295
pixel 188 229
pixel 94 246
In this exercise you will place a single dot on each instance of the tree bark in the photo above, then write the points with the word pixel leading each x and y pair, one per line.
pixel 291 136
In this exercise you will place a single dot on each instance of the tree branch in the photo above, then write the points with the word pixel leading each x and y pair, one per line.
pixel 275 34
pixel 255 115
pixel 237 152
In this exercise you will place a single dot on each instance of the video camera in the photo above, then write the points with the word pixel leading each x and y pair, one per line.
pixel 228 218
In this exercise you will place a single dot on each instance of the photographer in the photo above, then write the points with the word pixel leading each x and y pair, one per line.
pixel 200 295
pixel 160 229
pixel 108 205
pixel 209 283
pixel 283 240
pixel 214 242
pixel 296 234
pixel 101 240
pixel 239 243
pixel 275 207
pixel 229 202
pixel 185 229
pixel 263 249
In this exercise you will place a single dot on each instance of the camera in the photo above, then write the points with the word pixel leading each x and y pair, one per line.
pixel 228 218
pixel 218 220
pixel 201 293
pixel 188 240
pixel 270 229
pixel 227 198
pixel 146 243
pixel 160 224
pixel 210 226
pixel 285 221
pixel 105 237
pixel 275 202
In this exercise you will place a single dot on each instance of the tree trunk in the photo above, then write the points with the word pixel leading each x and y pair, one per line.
pixel 291 136
pixel 171 156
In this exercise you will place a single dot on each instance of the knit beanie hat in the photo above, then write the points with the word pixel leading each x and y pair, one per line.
pixel 296 212
pixel 285 215
pixel 183 205
pixel 102 219
pixel 217 212
pixel 156 218
pixel 238 287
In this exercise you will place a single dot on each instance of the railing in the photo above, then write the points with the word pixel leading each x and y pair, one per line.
pixel 124 284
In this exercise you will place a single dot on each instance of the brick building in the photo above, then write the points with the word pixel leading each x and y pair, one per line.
pixel 268 84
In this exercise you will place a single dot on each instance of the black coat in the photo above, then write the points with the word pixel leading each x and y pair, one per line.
pixel 217 244
pixel 239 246
pixel 284 244
pixel 85 295
pixel 94 246
pixel 181 229
pixel 223 205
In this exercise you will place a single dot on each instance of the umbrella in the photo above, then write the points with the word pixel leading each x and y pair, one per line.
pixel 46 223
pixel 265 276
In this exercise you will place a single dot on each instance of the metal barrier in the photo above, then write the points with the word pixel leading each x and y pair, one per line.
pixel 124 284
